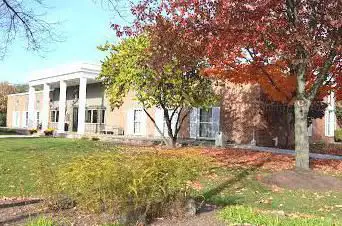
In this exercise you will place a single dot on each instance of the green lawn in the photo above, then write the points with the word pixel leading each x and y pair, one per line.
pixel 20 157
pixel 238 187
pixel 225 186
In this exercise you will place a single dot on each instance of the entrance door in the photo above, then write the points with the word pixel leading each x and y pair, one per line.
pixel 75 119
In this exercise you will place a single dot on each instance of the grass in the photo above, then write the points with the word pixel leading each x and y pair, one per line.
pixel 237 186
pixel 41 221
pixel 227 186
pixel 20 157
pixel 247 215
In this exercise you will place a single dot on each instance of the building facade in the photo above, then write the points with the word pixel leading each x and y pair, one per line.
pixel 70 99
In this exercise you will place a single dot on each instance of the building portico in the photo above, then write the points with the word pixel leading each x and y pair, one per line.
pixel 59 80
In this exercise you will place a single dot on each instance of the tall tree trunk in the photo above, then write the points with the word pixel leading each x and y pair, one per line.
pixel 166 141
pixel 172 140
pixel 301 134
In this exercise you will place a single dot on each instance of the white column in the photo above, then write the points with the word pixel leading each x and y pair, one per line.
pixel 46 107
pixel 82 98
pixel 62 106
pixel 32 121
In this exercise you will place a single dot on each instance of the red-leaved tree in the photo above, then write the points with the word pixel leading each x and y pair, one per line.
pixel 292 48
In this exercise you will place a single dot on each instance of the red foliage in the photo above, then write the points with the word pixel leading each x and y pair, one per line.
pixel 262 160
pixel 254 41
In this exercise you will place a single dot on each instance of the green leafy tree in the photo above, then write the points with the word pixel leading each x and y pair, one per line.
pixel 129 67
pixel 21 88
pixel 339 114
pixel 5 89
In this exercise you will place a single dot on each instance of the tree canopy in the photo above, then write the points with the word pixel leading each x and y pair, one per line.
pixel 5 89
pixel 291 48
pixel 167 85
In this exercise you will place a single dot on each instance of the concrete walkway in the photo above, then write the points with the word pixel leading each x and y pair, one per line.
pixel 18 136
pixel 285 152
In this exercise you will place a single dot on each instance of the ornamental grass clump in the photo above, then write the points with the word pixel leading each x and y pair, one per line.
pixel 138 184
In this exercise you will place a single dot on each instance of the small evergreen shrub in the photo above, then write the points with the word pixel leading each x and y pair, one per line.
pixel 49 132
pixel 95 138
pixel 338 135
pixel 32 131
pixel 2 118
pixel 7 131
pixel 134 185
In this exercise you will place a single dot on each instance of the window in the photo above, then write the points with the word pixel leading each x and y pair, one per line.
pixel 88 116
pixel 205 123
pixel 54 115
pixel 38 120
pixel 93 116
pixel 15 119
pixel 310 129
pixel 26 119
pixel 329 123
pixel 137 121
pixel 103 116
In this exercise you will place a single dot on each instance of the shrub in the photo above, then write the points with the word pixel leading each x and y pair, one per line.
pixel 144 184
pixel 41 221
pixel 2 118
pixel 338 135
pixel 8 130
pixel 49 132
pixel 247 216
pixel 95 138
pixel 32 131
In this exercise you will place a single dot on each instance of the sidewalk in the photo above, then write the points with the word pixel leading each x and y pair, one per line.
pixel 285 151
pixel 18 136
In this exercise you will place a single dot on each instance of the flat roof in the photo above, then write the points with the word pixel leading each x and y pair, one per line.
pixel 23 94
pixel 64 70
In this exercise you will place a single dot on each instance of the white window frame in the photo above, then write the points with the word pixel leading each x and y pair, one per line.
pixel 211 123
pixel 140 122
pixel 27 116
pixel 16 119
pixel 330 118
pixel 194 118
pixel 100 118
pixel 56 115
pixel 24 119
pixel 330 124
pixel 38 119
pixel 310 129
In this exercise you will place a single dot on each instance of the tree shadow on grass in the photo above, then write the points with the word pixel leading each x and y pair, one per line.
pixel 210 196
pixel 17 211
pixel 20 218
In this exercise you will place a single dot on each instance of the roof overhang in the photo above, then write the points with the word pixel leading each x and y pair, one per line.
pixel 69 73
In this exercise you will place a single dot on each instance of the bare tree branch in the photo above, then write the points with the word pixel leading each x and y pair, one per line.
pixel 119 7
pixel 23 20
pixel 323 74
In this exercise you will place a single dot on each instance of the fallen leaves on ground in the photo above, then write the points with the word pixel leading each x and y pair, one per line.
pixel 243 158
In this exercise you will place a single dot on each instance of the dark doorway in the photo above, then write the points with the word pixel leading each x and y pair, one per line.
pixel 75 120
